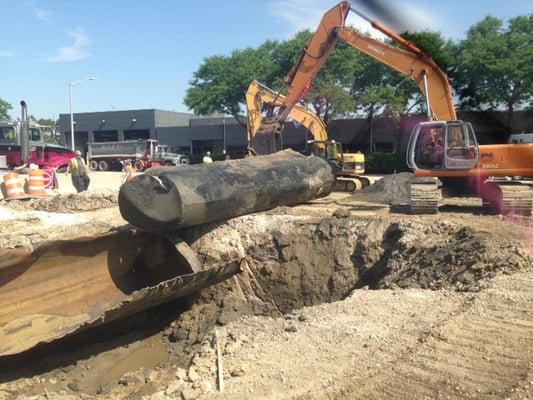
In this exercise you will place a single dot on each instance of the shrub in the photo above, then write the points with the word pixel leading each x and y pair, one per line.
pixel 385 163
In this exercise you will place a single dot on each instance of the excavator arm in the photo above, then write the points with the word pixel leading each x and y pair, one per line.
pixel 258 95
pixel 417 66
pixel 408 60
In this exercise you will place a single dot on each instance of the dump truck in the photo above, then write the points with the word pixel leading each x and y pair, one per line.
pixel 142 153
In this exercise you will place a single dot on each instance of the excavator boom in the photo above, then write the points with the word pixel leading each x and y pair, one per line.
pixel 315 54
pixel 408 60
pixel 417 66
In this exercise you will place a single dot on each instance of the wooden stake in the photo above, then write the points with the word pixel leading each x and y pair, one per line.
pixel 220 370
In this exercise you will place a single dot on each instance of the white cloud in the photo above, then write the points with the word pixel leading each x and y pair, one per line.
pixel 75 52
pixel 40 13
pixel 7 54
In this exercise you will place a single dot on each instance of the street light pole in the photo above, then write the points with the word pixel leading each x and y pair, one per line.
pixel 71 118
pixel 70 84
pixel 224 132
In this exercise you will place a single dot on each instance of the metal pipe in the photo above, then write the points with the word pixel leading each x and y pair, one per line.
pixel 426 90
pixel 166 199
pixel 366 18
pixel 24 133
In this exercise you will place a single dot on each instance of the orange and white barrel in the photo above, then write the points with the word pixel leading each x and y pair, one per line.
pixel 36 183
pixel 14 186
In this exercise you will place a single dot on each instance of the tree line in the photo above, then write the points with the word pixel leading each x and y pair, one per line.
pixel 491 68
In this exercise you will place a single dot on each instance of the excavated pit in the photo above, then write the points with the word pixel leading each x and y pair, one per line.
pixel 294 263
pixel 295 260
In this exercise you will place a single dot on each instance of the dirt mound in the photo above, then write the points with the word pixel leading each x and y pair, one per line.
pixel 71 203
pixel 443 256
pixel 391 189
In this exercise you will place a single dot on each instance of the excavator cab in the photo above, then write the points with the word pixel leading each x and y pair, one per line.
pixel 442 145
pixel 329 150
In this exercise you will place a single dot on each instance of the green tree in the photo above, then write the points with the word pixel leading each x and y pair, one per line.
pixel 495 65
pixel 5 107
pixel 441 50
pixel 220 83
pixel 329 99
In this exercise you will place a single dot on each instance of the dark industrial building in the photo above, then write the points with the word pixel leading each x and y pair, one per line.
pixel 111 126
pixel 190 134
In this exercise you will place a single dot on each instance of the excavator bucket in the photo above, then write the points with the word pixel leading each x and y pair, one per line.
pixel 64 287
pixel 268 139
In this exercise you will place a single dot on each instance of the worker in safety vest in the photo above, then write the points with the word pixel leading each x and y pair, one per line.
pixel 78 172
pixel 128 171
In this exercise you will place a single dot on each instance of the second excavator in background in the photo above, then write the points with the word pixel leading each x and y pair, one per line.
pixel 443 152
pixel 348 167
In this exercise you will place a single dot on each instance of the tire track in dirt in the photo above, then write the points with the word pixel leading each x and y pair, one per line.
pixel 483 353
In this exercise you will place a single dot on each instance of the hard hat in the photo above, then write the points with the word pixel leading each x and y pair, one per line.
pixel 78 152
pixel 208 153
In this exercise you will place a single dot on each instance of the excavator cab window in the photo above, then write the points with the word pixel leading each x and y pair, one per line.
pixel 461 146
pixel 426 147
pixel 442 146
pixel 334 151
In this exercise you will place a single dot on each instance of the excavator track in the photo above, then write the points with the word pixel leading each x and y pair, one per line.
pixel 508 197
pixel 425 197
pixel 350 184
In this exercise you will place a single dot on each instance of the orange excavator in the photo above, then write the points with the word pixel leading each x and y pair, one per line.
pixel 443 152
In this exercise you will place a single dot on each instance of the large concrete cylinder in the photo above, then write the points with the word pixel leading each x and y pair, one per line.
pixel 166 199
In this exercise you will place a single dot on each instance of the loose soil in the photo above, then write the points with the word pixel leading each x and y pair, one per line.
pixel 450 315
pixel 391 189
pixel 68 203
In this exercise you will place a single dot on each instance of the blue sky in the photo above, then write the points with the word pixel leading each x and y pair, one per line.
pixel 144 53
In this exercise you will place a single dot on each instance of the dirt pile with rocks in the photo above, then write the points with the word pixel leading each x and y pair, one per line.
pixel 441 256
pixel 391 189
pixel 70 203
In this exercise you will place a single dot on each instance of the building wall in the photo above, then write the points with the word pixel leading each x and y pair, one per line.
pixel 87 125
pixel 195 134
pixel 171 118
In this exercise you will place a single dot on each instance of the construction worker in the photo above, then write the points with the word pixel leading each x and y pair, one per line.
pixel 78 172
pixel 207 158
pixel 226 155
pixel 128 171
